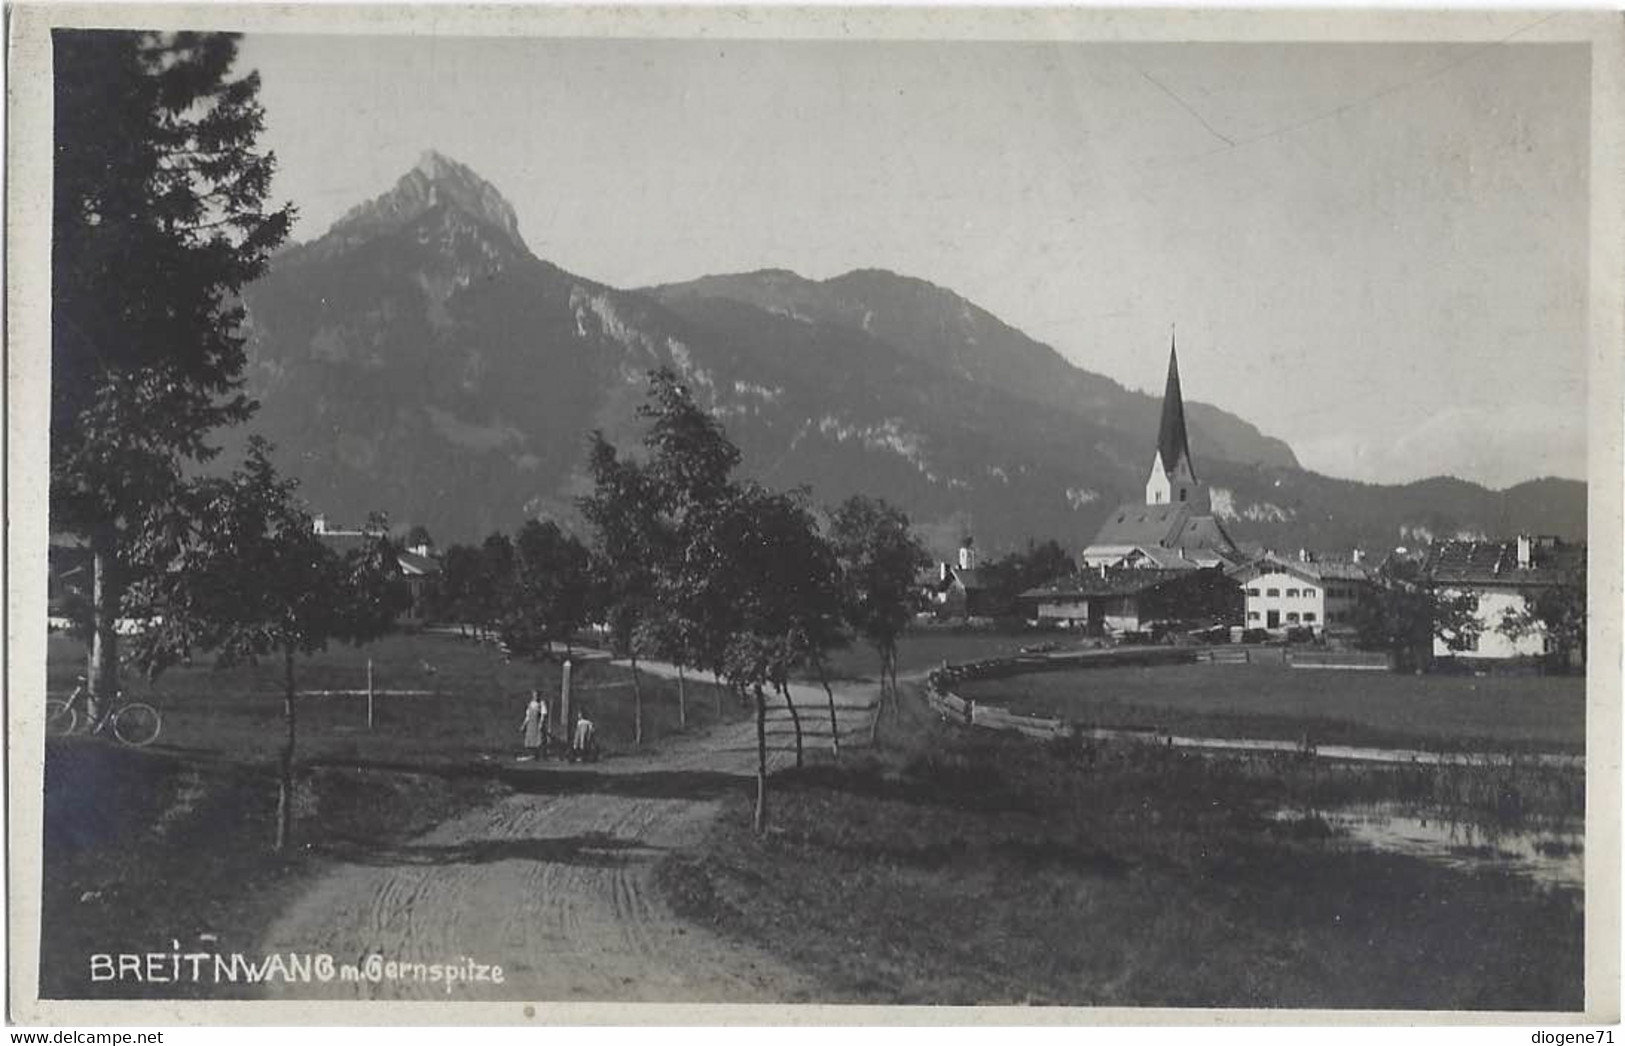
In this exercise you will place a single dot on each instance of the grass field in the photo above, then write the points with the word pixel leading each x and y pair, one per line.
pixel 966 867
pixel 142 848
pixel 473 708
pixel 147 846
pixel 1331 707
pixel 923 648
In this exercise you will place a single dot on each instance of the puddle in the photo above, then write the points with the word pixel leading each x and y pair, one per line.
pixel 1552 855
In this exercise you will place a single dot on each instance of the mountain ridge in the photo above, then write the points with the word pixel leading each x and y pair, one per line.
pixel 418 358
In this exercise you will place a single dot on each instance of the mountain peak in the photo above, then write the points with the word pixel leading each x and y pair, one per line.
pixel 435 180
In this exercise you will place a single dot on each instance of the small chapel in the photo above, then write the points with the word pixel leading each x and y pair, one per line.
pixel 1174 529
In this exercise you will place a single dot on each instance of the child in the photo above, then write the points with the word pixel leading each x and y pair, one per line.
pixel 582 743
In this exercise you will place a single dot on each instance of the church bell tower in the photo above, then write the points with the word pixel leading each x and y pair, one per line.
pixel 1173 476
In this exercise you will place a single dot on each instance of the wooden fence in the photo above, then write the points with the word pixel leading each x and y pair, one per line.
pixel 950 706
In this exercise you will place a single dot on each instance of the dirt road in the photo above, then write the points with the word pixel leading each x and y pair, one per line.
pixel 555 884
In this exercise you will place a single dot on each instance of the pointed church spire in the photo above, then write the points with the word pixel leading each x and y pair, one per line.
pixel 1172 442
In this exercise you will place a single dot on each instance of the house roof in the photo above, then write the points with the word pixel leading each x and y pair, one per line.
pixel 972 579
pixel 416 565
pixel 412 564
pixel 1174 526
pixel 1496 563
pixel 1122 581
pixel 1308 570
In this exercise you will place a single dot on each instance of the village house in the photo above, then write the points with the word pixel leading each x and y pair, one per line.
pixel 1282 594
pixel 962 590
pixel 419 567
pixel 1174 527
pixel 1504 577
pixel 1109 600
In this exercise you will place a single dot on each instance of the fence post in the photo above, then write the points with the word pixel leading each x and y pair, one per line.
pixel 369 693
pixel 564 701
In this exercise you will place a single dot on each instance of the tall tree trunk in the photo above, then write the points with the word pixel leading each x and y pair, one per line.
pixel 880 701
pixel 759 821
pixel 682 699
pixel 637 706
pixel 717 678
pixel 834 727
pixel 284 791
pixel 795 718
pixel 106 598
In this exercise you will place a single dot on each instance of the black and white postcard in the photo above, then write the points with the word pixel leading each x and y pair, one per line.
pixel 558 512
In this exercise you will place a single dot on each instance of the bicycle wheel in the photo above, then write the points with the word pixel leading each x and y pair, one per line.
pixel 136 724
pixel 60 718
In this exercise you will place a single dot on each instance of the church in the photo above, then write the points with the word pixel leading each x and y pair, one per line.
pixel 1174 529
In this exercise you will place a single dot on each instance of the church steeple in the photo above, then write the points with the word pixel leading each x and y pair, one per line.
pixel 1173 473
pixel 1172 442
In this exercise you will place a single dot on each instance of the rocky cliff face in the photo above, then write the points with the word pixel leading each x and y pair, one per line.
pixel 419 359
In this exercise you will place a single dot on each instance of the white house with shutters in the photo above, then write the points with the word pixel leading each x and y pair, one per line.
pixel 1280 594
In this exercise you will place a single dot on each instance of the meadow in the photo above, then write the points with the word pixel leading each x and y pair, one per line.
pixel 1543 713
pixel 919 649
pixel 955 866
pixel 471 708
pixel 145 846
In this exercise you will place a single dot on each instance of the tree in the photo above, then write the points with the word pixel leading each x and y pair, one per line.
pixel 629 544
pixel 1404 615
pixel 419 536
pixel 879 558
pixel 159 219
pixel 649 520
pixel 494 594
pixel 457 595
pixel 1555 612
pixel 1034 565
pixel 549 590
pixel 247 577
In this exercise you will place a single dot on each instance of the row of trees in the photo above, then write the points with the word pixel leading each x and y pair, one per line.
pixel 695 565
pixel 531 590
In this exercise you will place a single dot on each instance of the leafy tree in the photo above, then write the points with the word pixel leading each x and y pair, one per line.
pixel 494 594
pixel 1404 615
pixel 879 559
pixel 247 577
pixel 458 593
pixel 550 588
pixel 1557 613
pixel 1034 565
pixel 159 218
pixel 650 521
pixel 629 545
pixel 755 534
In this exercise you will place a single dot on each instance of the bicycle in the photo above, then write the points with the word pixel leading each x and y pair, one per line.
pixel 133 722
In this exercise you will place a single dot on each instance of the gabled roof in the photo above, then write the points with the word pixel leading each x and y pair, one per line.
pixel 412 564
pixel 1496 563
pixel 415 565
pixel 1307 570
pixel 971 579
pixel 1121 581
pixel 1171 526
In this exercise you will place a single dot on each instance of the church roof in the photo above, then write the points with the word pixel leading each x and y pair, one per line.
pixel 1173 525
pixel 1172 441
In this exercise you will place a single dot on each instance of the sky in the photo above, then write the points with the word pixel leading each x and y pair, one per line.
pixel 1377 252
